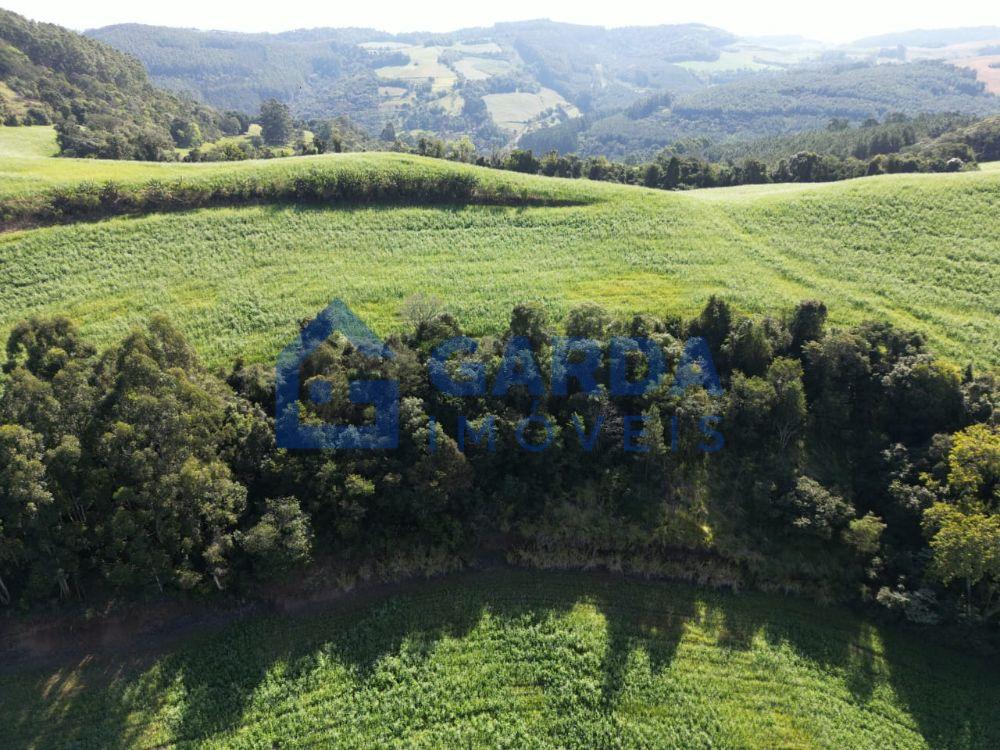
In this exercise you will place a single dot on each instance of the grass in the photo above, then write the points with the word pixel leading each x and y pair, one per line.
pixel 518 660
pixel 919 250
pixel 28 142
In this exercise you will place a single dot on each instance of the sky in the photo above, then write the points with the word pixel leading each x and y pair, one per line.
pixel 836 22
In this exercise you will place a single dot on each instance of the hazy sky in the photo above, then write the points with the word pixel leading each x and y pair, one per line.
pixel 839 21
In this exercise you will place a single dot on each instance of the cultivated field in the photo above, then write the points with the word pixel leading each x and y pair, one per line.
pixel 514 111
pixel 517 660
pixel 921 251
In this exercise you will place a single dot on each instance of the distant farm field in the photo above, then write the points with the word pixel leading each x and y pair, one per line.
pixel 513 111
pixel 517 660
pixel 987 69
pixel 921 251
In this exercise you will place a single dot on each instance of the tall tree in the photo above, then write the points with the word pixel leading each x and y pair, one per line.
pixel 275 123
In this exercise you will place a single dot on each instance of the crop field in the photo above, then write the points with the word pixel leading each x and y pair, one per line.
pixel 515 110
pixel 987 69
pixel 481 68
pixel 516 660
pixel 921 251
pixel 424 63
pixel 28 142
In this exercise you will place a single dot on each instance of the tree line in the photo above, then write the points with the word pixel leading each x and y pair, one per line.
pixel 854 466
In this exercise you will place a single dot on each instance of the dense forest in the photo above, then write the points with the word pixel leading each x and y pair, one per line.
pixel 330 80
pixel 847 464
pixel 771 104
pixel 100 100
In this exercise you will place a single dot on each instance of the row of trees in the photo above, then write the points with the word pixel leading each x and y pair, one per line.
pixel 669 171
pixel 852 464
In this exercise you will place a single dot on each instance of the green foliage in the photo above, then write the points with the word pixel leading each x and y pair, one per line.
pixel 966 546
pixel 812 509
pixel 144 470
pixel 753 116
pixel 275 123
pixel 864 534
pixel 99 99
pixel 281 541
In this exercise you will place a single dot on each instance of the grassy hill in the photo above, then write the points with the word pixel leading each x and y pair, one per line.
pixel 918 250
pixel 523 660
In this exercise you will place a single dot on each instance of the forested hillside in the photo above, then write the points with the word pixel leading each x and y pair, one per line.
pixel 931 37
pixel 491 84
pixel 99 99
pixel 774 104
pixel 620 93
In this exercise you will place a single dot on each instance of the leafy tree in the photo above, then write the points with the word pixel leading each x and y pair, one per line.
pixel 974 465
pixel 587 320
pixel 520 160
pixel 24 498
pixel 529 320
pixel 864 534
pixel 672 178
pixel 173 502
pixel 275 123
pixel 807 324
pixel 186 133
pixel 966 547
pixel 281 540
pixel 714 322
pixel 747 348
pixel 812 509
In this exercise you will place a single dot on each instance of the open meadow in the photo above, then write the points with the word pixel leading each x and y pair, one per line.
pixel 921 251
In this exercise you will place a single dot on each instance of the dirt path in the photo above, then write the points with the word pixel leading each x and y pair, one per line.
pixel 136 634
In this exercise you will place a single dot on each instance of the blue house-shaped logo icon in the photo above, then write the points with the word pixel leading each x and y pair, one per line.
pixel 290 430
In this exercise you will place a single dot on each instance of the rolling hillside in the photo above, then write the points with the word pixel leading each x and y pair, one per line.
pixel 469 81
pixel 138 461
pixel 537 78
pixel 774 103
pixel 918 250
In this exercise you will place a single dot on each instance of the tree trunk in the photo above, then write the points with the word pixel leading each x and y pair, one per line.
pixel 4 593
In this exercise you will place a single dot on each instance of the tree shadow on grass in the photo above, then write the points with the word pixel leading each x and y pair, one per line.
pixel 961 711
pixel 206 688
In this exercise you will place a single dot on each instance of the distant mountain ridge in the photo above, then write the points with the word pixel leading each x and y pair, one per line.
pixel 621 92
pixel 931 37
pixel 489 83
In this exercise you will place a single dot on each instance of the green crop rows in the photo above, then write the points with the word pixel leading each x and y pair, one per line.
pixel 523 660
pixel 921 251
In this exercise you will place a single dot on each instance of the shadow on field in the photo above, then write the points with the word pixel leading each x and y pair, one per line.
pixel 204 689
